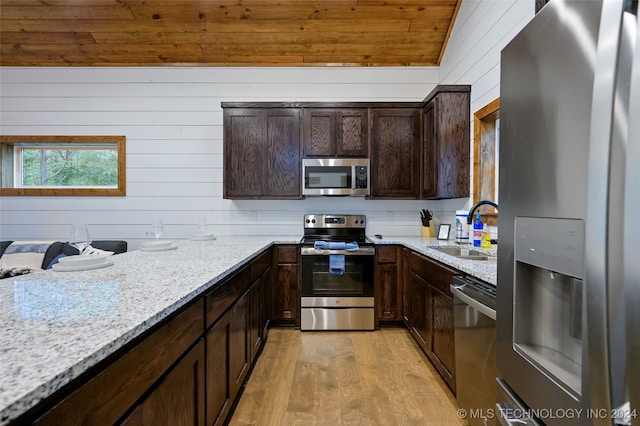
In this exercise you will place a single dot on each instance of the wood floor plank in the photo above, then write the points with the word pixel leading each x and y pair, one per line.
pixel 344 378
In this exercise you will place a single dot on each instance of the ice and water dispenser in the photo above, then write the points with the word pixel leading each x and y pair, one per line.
pixel 548 297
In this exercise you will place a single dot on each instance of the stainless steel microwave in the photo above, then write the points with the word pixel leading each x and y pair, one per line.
pixel 335 176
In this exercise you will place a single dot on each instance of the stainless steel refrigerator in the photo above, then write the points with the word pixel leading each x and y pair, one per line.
pixel 568 311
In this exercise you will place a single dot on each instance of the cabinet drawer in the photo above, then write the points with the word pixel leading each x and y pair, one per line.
pixel 260 264
pixel 225 295
pixel 436 274
pixel 386 254
pixel 287 254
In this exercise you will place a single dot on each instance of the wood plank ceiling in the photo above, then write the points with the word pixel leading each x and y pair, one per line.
pixel 225 32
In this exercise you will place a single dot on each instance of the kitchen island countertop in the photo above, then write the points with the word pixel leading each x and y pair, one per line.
pixel 57 325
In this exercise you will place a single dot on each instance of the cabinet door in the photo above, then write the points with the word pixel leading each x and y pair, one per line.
pixel 406 279
pixel 351 132
pixel 256 295
pixel 453 144
pixel 179 398
pixel 429 163
pixel 443 348
pixel 445 160
pixel 395 153
pixel 219 395
pixel 262 153
pixel 319 132
pixel 266 303
pixel 282 174
pixel 243 153
pixel 388 284
pixel 239 351
pixel 421 314
pixel 285 296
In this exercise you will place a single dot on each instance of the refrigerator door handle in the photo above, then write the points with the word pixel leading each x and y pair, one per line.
pixel 631 237
pixel 603 120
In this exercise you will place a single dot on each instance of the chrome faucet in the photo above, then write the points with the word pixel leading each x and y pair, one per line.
pixel 475 207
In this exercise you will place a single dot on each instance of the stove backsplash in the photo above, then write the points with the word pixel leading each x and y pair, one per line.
pixel 285 217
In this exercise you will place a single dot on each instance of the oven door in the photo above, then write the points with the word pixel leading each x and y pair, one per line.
pixel 355 282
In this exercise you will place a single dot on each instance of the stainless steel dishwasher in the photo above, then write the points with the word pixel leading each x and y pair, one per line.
pixel 474 318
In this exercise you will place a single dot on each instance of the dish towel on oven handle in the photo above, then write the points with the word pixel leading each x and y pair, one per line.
pixel 336 264
pixel 326 245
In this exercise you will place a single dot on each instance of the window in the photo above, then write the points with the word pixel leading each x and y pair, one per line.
pixel 62 165
pixel 486 125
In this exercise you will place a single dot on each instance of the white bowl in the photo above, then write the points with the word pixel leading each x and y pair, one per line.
pixel 156 244
pixel 82 260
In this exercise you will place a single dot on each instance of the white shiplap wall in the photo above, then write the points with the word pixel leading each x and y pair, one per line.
pixel 482 29
pixel 173 123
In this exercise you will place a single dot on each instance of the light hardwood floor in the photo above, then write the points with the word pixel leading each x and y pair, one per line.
pixel 344 378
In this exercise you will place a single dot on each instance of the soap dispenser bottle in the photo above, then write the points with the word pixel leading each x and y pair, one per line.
pixel 477 230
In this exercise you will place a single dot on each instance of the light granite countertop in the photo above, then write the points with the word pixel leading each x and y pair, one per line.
pixel 56 325
pixel 486 270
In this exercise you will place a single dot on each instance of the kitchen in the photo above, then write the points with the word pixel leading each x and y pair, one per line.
pixel 156 180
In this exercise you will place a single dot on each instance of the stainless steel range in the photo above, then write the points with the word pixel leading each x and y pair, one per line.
pixel 337 274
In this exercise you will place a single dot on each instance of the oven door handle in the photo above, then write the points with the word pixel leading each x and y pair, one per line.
pixel 362 251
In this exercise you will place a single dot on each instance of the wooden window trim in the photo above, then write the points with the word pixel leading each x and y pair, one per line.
pixel 490 111
pixel 120 190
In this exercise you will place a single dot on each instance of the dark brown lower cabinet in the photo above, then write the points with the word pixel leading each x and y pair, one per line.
pixel 239 344
pixel 285 295
pixel 110 394
pixel 219 395
pixel 229 349
pixel 406 288
pixel 260 273
pixel 420 319
pixel 256 297
pixel 430 313
pixel 443 346
pixel 179 398
pixel 388 284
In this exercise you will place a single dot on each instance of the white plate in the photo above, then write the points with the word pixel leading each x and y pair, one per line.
pixel 156 245
pixel 63 268
pixel 158 248
pixel 82 260
pixel 203 237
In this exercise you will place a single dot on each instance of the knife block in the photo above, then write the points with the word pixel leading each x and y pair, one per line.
pixel 428 231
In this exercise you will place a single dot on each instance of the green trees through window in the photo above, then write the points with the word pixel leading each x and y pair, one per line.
pixel 52 166
pixel 62 165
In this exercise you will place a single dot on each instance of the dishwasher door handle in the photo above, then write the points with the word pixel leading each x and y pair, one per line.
pixel 456 291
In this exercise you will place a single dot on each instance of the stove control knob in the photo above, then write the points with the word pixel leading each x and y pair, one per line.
pixel 307 221
pixel 313 221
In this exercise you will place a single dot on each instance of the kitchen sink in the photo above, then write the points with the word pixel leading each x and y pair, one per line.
pixel 463 253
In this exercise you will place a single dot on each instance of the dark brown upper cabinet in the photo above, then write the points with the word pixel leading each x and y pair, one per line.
pixel 446 148
pixel 395 153
pixel 335 132
pixel 418 150
pixel 262 153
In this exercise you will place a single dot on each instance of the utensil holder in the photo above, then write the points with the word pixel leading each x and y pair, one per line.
pixel 428 231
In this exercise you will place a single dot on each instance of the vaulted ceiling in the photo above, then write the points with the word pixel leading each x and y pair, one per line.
pixel 225 32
